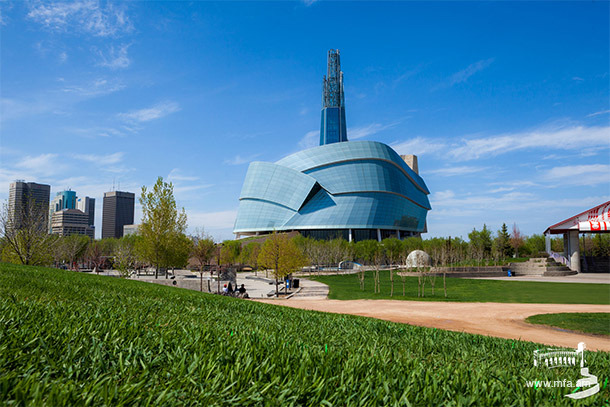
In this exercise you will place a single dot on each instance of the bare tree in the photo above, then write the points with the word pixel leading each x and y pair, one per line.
pixel 75 247
pixel 516 239
pixel 25 230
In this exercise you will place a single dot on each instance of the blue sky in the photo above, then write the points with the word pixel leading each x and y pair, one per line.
pixel 505 103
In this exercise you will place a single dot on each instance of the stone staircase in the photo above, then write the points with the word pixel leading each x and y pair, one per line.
pixel 540 267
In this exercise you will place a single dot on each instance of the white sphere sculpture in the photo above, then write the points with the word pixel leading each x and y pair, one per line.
pixel 418 258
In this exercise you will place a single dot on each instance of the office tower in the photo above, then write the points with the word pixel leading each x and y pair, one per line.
pixel 87 205
pixel 21 194
pixel 62 200
pixel 333 128
pixel 67 222
pixel 117 212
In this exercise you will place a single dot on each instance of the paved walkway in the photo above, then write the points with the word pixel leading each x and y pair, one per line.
pixel 491 319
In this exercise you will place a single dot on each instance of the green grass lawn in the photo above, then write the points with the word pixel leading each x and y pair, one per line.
pixel 347 287
pixel 594 323
pixel 71 338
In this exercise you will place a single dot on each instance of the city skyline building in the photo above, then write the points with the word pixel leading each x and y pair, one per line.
pixel 62 200
pixel 118 211
pixel 20 192
pixel 87 205
pixel 333 128
pixel 356 190
pixel 67 222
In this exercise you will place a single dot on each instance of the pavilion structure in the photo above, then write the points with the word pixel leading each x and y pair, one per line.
pixel 594 220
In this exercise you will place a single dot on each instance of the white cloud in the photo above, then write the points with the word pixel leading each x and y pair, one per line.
pixel 565 138
pixel 91 17
pixel 577 78
pixel 463 75
pixel 598 113
pixel 155 112
pixel 239 160
pixel 459 205
pixel 354 133
pixel 454 171
pixel 115 58
pixel 96 87
pixel 418 146
pixel 101 159
pixel 443 195
pixel 40 164
pixel 310 139
pixel 176 175
pixel 590 174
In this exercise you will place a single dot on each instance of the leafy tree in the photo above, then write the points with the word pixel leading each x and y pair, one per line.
pixel 281 254
pixel 535 244
pixel 229 253
pixel 502 242
pixel 125 255
pixel 480 243
pixel 203 251
pixel 249 254
pixel 601 245
pixel 162 223
pixel 181 247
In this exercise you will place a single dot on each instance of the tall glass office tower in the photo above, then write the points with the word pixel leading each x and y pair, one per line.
pixel 333 128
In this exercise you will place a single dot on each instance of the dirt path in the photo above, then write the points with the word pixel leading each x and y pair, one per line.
pixel 492 319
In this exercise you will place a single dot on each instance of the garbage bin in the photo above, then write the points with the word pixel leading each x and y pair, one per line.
pixel 295 283
pixel 510 274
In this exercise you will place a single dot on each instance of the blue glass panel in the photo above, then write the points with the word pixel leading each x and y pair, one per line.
pixel 274 183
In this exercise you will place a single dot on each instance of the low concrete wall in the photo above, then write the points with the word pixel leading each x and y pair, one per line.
pixel 188 283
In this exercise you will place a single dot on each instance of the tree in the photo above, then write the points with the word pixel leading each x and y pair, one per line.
pixel 281 254
pixel 364 251
pixel 161 223
pixel 74 247
pixel 378 259
pixel 25 231
pixel 181 247
pixel 94 255
pixel 229 253
pixel 516 239
pixel 249 254
pixel 501 243
pixel 535 244
pixel 393 248
pixel 203 251
pixel 125 255
pixel 480 243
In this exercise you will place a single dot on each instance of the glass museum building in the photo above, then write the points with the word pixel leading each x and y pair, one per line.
pixel 356 190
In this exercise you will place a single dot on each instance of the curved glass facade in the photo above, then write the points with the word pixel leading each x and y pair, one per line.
pixel 354 188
